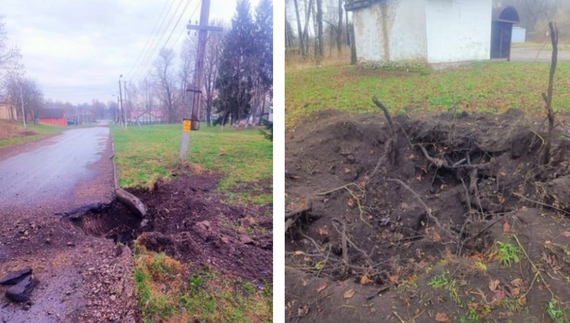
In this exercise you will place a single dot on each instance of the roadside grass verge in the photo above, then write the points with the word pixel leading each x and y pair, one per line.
pixel 17 134
pixel 484 86
pixel 242 156
pixel 167 294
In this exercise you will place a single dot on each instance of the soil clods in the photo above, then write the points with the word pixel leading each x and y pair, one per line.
pixel 448 218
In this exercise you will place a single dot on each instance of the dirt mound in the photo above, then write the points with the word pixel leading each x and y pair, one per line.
pixel 206 230
pixel 431 206
pixel 188 220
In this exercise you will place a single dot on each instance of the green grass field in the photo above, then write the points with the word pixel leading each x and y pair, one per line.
pixel 241 156
pixel 41 131
pixel 206 296
pixel 486 86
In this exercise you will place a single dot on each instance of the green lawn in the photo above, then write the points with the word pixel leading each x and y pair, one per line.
pixel 207 296
pixel 486 86
pixel 41 131
pixel 242 156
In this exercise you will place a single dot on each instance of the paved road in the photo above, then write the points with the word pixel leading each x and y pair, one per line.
pixel 536 54
pixel 58 173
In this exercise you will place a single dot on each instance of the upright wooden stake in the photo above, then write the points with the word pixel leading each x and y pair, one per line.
pixel 548 97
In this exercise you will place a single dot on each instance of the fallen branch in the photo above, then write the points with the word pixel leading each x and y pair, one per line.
pixel 132 202
pixel 540 203
pixel 534 266
pixel 386 113
pixel 427 209
pixel 346 239
pixel 390 147
pixel 439 163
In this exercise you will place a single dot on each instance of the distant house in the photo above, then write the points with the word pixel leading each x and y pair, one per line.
pixel 428 31
pixel 52 116
pixel 145 117
pixel 7 111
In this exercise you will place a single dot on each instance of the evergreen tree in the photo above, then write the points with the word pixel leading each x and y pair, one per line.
pixel 264 42
pixel 237 67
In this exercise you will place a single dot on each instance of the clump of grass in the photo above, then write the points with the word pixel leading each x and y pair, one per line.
pixel 165 295
pixel 505 253
pixel 439 281
pixel 450 285
pixel 555 313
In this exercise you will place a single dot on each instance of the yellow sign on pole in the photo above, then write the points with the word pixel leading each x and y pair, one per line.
pixel 186 125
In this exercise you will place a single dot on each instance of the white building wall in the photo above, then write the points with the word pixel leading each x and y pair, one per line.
pixel 458 30
pixel 391 31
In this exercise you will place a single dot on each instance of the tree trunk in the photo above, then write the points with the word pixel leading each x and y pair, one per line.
pixel 321 49
pixel 305 36
pixel 353 58
pixel 262 111
pixel 208 111
pixel 300 31
pixel 339 29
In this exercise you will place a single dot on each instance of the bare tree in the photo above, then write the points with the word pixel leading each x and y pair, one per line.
pixel 9 56
pixel 300 31
pixel 164 74
pixel 319 39
pixel 309 8
pixel 26 94
pixel 214 48
pixel 339 28
pixel 186 72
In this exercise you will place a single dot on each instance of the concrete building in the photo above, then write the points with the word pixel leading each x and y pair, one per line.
pixel 428 31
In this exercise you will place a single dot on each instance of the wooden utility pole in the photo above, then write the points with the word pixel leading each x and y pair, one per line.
pixel 121 105
pixel 194 122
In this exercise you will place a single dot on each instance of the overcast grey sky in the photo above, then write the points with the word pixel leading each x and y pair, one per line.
pixel 76 49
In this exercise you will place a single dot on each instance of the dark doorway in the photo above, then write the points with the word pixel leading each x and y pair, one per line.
pixel 502 30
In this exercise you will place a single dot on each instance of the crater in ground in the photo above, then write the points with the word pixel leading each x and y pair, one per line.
pixel 189 220
pixel 410 222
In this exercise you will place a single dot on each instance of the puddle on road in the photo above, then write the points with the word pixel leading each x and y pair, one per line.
pixel 112 221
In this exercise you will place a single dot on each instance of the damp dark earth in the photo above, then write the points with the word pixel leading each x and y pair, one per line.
pixel 449 217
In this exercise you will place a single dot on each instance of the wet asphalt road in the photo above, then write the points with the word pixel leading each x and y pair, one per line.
pixel 57 173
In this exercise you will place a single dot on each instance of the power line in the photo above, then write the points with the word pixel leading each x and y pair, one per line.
pixel 153 51
pixel 173 29
pixel 150 36
pixel 154 39
pixel 184 31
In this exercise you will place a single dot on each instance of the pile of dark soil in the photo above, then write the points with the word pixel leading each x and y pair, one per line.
pixel 188 220
pixel 418 216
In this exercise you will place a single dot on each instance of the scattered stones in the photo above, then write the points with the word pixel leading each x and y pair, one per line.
pixel 22 290
pixel 15 276
pixel 245 239
pixel 203 229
